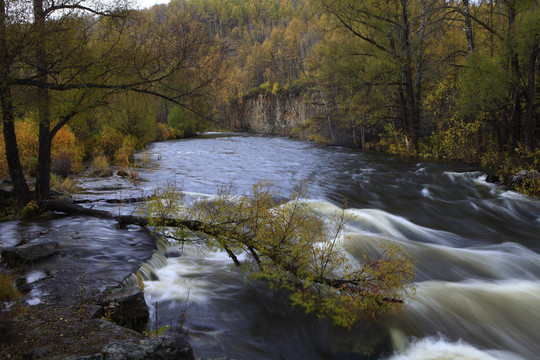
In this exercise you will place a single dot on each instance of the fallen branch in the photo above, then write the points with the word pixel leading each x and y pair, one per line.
pixel 114 201
pixel 284 260
pixel 70 208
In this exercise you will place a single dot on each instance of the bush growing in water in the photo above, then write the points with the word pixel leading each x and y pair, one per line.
pixel 101 164
pixel 110 141
pixel 162 132
pixel 66 153
pixel 293 247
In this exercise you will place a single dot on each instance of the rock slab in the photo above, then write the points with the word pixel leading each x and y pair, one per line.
pixel 164 347
pixel 28 253
pixel 159 348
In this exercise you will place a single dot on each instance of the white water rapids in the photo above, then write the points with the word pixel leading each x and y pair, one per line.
pixel 476 246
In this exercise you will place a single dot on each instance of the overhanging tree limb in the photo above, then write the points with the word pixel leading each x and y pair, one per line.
pixel 351 285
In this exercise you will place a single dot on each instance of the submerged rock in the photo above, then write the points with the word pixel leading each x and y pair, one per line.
pixel 122 173
pixel 28 253
pixel 102 173
pixel 173 253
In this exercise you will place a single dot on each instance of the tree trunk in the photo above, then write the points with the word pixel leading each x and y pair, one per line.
pixel 468 26
pixel 412 106
pixel 20 187
pixel 43 176
pixel 514 126
pixel 530 94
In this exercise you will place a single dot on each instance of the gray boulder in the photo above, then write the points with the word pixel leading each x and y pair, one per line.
pixel 163 347
pixel 524 175
pixel 28 253
pixel 127 307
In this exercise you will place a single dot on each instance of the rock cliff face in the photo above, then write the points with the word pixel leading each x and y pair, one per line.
pixel 272 114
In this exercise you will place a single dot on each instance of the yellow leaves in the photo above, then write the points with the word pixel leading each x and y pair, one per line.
pixel 166 203
pixel 65 151
pixel 293 246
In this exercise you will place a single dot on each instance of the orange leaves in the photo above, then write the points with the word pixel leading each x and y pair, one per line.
pixel 66 152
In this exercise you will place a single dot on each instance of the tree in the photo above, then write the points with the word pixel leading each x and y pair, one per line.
pixel 84 52
pixel 396 33
pixel 8 53
pixel 289 245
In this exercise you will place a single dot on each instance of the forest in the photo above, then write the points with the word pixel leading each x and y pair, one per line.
pixel 91 82
pixel 86 84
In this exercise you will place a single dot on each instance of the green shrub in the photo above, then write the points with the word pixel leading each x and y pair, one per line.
pixel 182 122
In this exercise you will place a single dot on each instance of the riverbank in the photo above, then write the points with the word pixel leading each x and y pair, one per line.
pixel 73 305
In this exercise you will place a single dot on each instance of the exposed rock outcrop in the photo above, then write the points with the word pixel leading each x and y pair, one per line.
pixel 158 348
pixel 272 114
pixel 127 307
pixel 164 347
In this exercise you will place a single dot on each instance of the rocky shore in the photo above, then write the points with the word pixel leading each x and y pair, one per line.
pixel 71 313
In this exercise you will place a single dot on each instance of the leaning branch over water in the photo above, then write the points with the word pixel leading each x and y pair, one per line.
pixel 289 245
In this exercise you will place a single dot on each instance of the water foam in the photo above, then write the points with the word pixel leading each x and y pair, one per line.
pixel 495 314
pixel 427 193
pixel 374 221
pixel 433 348
pixel 455 176
pixel 194 273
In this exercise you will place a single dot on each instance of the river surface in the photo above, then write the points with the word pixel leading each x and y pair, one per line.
pixel 477 248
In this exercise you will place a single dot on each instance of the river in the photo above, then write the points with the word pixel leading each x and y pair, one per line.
pixel 476 246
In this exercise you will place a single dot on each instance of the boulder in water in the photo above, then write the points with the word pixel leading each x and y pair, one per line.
pixel 173 253
pixel 127 307
pixel 22 285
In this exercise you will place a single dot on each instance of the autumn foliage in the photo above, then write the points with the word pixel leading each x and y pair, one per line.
pixel 290 245
pixel 67 154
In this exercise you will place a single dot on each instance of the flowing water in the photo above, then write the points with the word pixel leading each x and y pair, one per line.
pixel 477 248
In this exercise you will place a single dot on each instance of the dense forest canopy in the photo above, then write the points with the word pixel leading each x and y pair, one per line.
pixel 430 78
